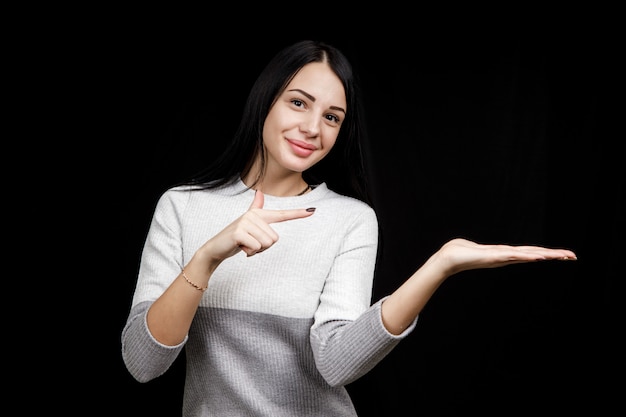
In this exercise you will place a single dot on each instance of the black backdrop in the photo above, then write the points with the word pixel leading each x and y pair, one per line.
pixel 496 138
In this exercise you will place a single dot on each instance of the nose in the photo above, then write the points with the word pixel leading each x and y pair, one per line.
pixel 311 125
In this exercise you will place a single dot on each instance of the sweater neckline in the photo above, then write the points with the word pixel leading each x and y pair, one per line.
pixel 315 193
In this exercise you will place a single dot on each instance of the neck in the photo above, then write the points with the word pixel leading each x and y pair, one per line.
pixel 275 180
pixel 285 188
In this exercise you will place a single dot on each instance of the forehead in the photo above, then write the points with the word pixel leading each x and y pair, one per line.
pixel 319 80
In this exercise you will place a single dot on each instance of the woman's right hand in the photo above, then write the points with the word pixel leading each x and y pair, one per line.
pixel 251 232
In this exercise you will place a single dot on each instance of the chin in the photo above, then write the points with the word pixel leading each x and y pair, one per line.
pixel 299 166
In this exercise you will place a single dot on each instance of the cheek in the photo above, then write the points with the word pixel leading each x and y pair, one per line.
pixel 268 125
pixel 329 140
pixel 270 133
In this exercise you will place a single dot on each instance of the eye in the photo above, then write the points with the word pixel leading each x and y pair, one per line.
pixel 297 103
pixel 333 118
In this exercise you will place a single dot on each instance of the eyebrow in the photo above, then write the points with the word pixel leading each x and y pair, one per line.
pixel 310 97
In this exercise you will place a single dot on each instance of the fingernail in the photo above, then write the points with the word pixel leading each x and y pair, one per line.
pixel 310 209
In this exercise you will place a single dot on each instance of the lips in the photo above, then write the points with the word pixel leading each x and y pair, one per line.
pixel 300 148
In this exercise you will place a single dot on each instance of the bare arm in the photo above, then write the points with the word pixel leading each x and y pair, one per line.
pixel 170 316
pixel 403 305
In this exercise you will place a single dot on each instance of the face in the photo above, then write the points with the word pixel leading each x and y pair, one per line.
pixel 303 125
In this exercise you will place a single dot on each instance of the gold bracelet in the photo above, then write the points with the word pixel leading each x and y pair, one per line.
pixel 193 284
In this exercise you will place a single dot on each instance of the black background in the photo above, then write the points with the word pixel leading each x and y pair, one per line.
pixel 496 136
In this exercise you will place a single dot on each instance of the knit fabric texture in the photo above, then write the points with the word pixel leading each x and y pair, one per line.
pixel 280 333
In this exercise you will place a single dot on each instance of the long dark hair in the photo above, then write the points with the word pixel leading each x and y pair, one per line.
pixel 342 169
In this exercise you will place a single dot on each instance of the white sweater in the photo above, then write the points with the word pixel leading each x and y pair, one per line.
pixel 276 334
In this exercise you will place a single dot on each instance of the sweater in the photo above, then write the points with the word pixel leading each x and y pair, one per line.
pixel 277 334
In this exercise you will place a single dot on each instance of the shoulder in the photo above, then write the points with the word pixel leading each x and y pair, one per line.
pixel 345 209
pixel 182 197
pixel 189 192
pixel 345 201
pixel 174 196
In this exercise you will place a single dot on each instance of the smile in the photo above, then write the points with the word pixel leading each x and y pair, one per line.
pixel 301 149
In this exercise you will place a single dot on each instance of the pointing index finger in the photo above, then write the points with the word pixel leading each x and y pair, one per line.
pixel 275 216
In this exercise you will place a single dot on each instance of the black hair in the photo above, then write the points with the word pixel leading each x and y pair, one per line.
pixel 343 169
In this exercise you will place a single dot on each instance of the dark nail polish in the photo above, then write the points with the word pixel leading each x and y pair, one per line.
pixel 310 209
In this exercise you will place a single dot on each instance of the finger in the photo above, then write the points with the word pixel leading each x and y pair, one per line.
pixel 259 200
pixel 276 216
pixel 547 253
pixel 253 245
pixel 259 236
pixel 253 234
pixel 249 251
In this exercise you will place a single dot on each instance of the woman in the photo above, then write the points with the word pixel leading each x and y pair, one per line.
pixel 264 274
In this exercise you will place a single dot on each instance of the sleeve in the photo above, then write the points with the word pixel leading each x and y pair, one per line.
pixel 348 337
pixel 161 260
